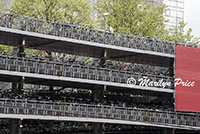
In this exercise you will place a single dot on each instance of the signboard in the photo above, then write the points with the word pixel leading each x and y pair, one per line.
pixel 187 79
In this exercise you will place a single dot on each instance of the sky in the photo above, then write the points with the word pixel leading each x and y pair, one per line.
pixel 192 16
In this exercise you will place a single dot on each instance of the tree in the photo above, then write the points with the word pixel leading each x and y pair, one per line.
pixel 45 9
pixel 68 11
pixel 77 11
pixel 133 17
pixel 7 50
pixel 1 5
pixel 178 34
pixel 65 11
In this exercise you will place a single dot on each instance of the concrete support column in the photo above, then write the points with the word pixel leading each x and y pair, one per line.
pixel 21 84
pixel 15 126
pixel 98 93
pixel 14 123
pixel 21 49
pixel 17 86
pixel 98 128
pixel 21 53
pixel 168 131
pixel 14 88
pixel 50 88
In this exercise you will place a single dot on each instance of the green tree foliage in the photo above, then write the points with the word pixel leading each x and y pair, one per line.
pixel 133 17
pixel 68 11
pixel 64 11
pixel 45 9
pixel 180 35
pixel 35 53
pixel 5 50
pixel 77 11
pixel 1 5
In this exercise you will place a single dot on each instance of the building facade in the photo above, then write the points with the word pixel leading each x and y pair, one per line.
pixel 174 13
pixel 7 4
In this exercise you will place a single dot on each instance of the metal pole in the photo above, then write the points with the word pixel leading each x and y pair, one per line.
pixel 175 66
pixel 106 20
pixel 106 27
pixel 174 77
pixel 175 59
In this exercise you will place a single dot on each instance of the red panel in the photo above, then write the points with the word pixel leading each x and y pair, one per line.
pixel 188 69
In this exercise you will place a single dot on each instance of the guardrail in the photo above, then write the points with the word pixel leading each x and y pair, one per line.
pixel 77 71
pixel 86 33
pixel 32 107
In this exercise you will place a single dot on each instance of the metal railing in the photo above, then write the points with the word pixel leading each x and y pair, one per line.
pixel 85 33
pixel 32 107
pixel 77 71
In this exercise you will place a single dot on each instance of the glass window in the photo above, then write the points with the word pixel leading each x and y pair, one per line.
pixel 180 14
pixel 179 20
pixel 171 3
pixel 178 0
pixel 173 13
pixel 180 5
pixel 172 20
pixel 181 1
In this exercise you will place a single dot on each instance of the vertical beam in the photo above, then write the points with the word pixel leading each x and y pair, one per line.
pixel 15 123
pixel 98 98
pixel 15 126
pixel 98 128
pixel 168 131
pixel 105 54
pixel 50 88
pixel 105 57
pixel 21 84
pixel 14 88
pixel 19 127
pixel 174 70
pixel 21 53
pixel 98 93
pixel 22 48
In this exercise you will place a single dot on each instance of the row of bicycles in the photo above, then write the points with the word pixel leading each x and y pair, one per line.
pixel 86 33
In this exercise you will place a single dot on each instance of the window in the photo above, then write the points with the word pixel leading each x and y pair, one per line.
pixel 181 1
pixel 179 20
pixel 180 14
pixel 173 13
pixel 180 5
